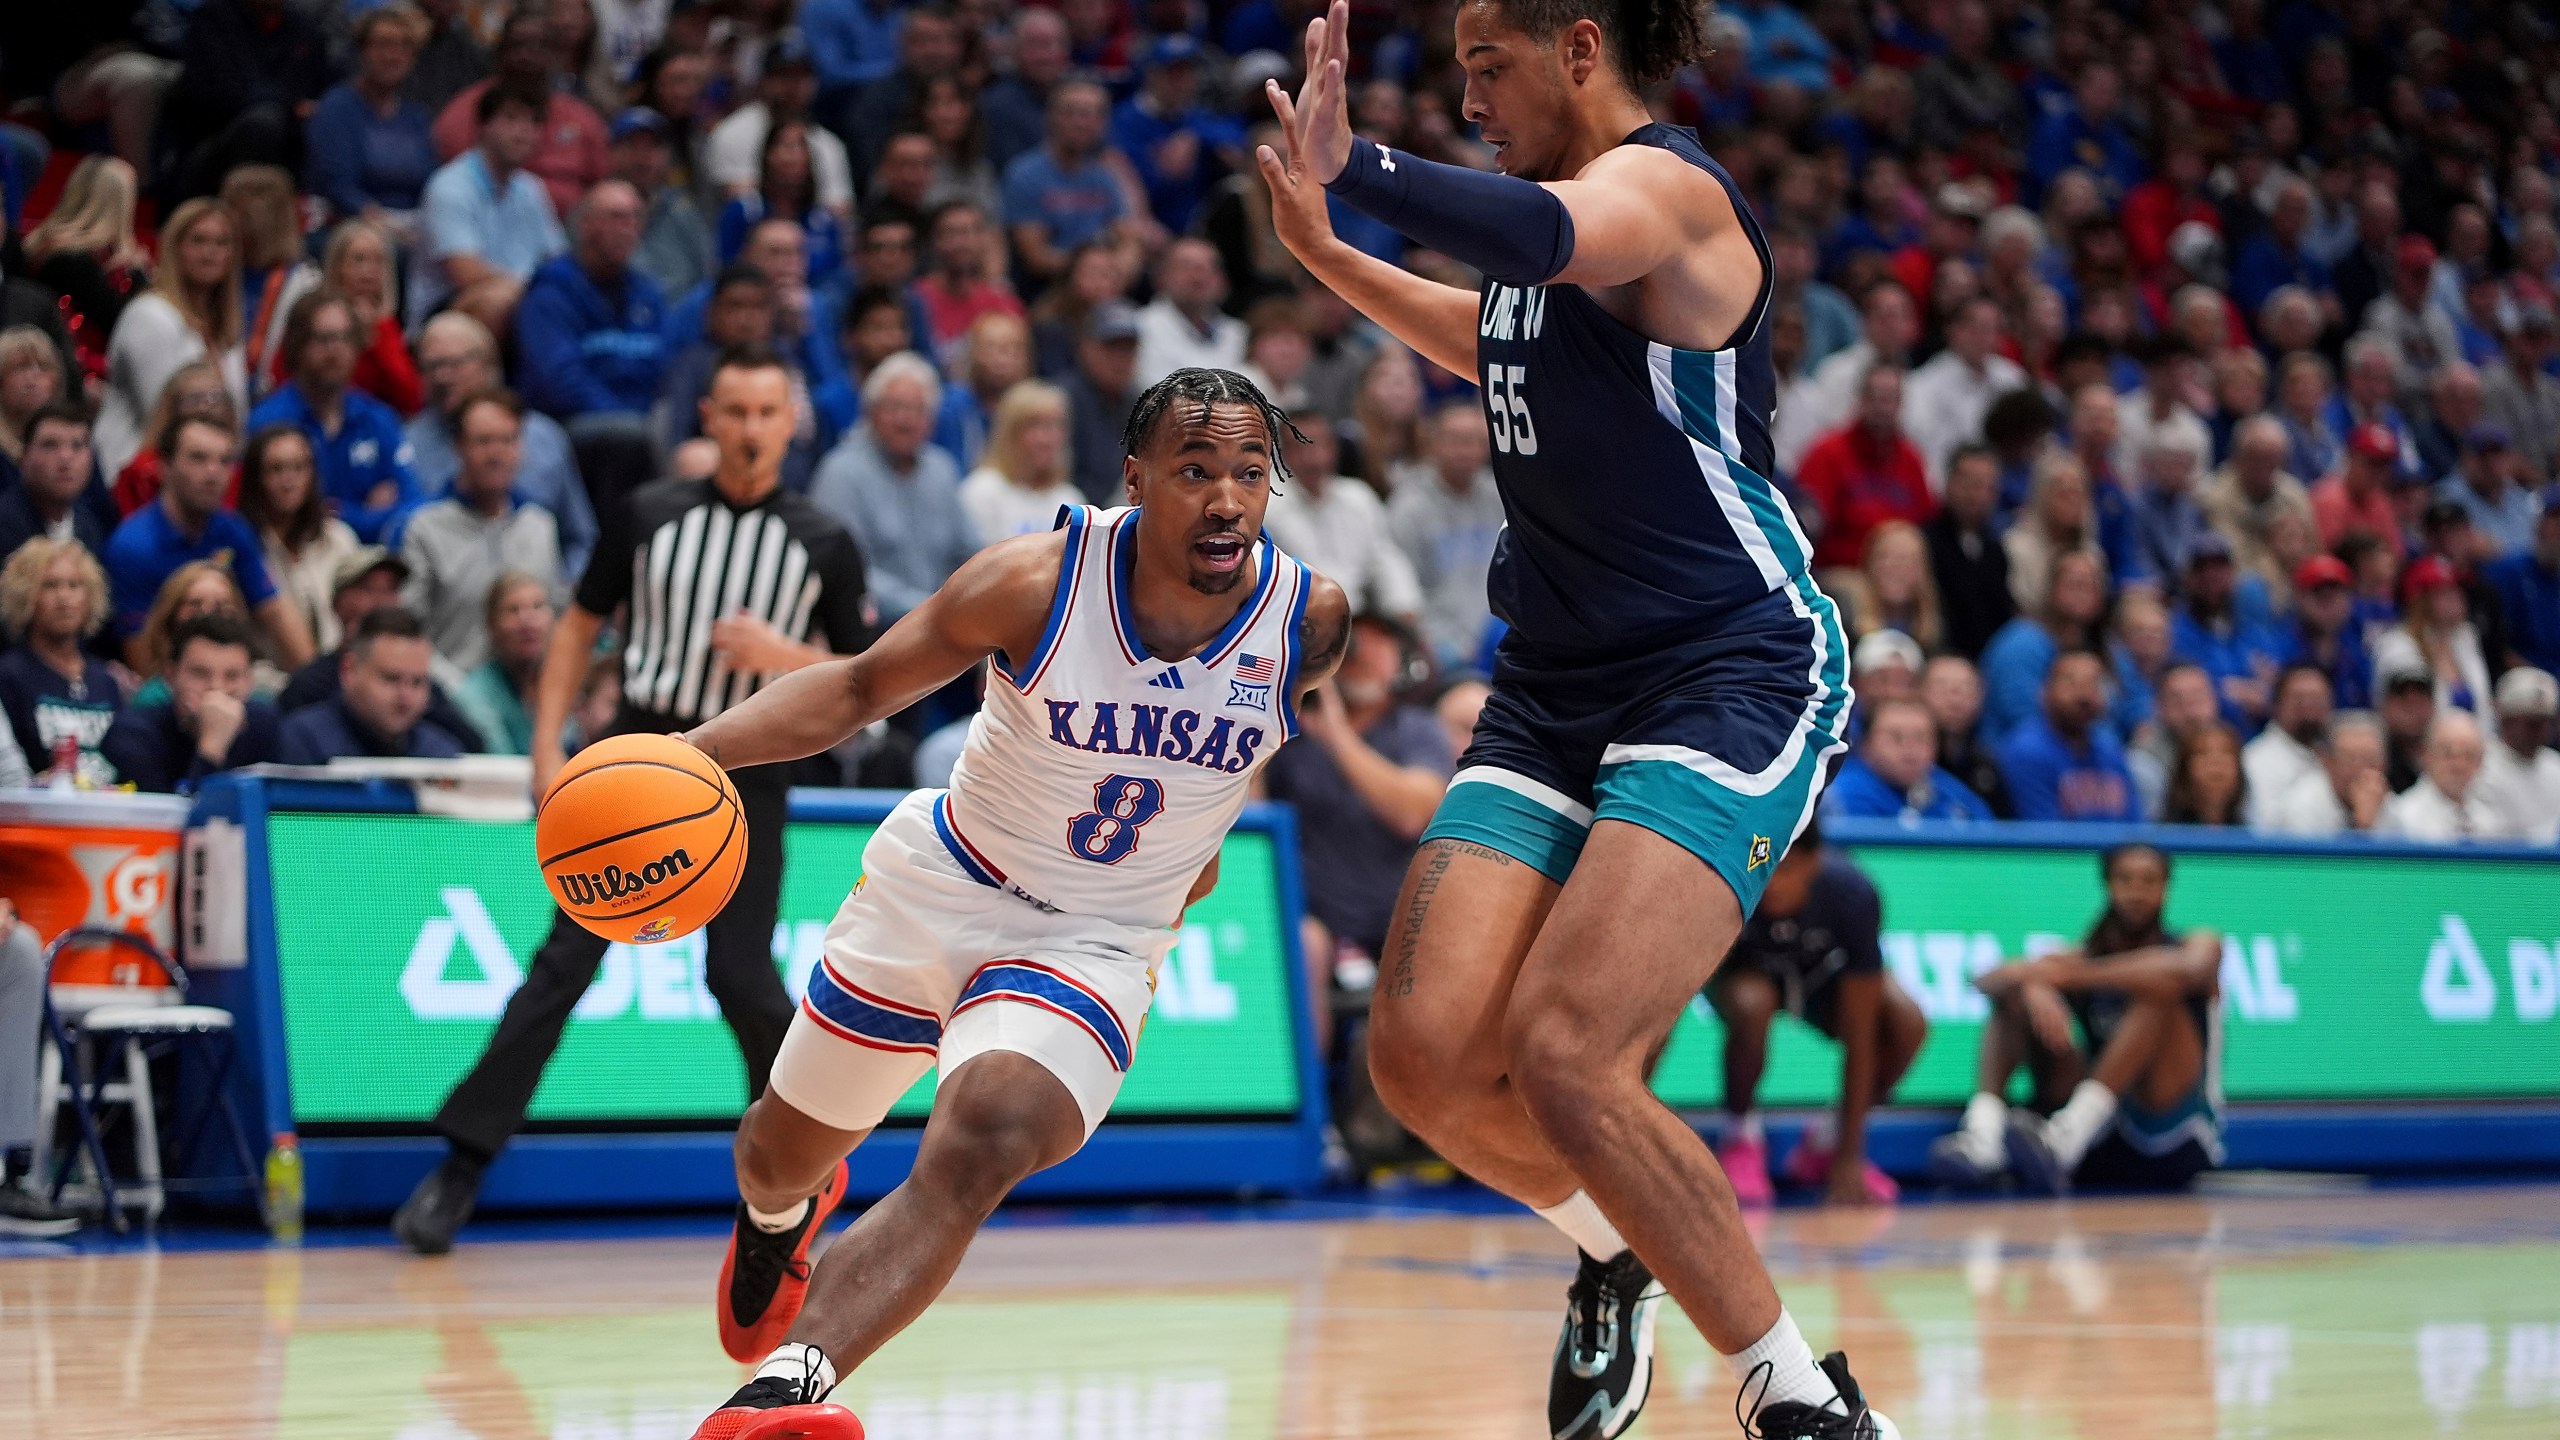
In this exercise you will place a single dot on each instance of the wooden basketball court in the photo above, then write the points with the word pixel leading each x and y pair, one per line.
pixel 2321 1316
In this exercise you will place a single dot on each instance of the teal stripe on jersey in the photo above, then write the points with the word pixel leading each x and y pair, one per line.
pixel 1696 381
pixel 1827 716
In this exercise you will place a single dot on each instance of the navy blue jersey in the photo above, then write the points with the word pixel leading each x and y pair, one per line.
pixel 1635 475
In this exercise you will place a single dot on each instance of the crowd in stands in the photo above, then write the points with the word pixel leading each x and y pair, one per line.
pixel 2169 393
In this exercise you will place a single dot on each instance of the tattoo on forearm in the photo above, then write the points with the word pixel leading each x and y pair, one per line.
pixel 1407 940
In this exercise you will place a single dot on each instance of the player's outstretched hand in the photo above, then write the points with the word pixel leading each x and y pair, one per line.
pixel 1319 120
pixel 1316 129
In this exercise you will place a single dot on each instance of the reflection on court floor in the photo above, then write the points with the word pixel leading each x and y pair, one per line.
pixel 2391 1314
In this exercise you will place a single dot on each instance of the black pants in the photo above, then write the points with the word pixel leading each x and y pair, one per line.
pixel 487 1108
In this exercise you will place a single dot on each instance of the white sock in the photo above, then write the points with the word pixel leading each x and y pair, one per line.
pixel 1822 1133
pixel 1584 1225
pixel 780 1220
pixel 1986 1116
pixel 2080 1121
pixel 1793 1375
pixel 1745 1126
pixel 805 1366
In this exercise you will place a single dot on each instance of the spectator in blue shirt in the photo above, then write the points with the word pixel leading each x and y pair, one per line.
pixel 2324 632
pixel 2528 588
pixel 381 705
pixel 2487 482
pixel 786 189
pixel 357 440
pixel 589 335
pixel 2207 631
pixel 368 148
pixel 1017 105
pixel 460 360
pixel 210 722
pixel 186 523
pixel 2020 652
pixel 2089 135
pixel 1894 775
pixel 1785 48
pixel 2169 526
pixel 2276 256
pixel 2064 764
pixel 852 42
pixel 1061 195
pixel 488 221
pixel 1179 146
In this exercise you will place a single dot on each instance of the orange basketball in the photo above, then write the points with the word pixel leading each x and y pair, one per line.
pixel 641 838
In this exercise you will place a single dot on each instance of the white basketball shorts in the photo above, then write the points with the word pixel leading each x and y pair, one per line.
pixel 927 961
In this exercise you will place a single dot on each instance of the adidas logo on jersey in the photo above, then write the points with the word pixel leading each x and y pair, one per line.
pixel 1171 679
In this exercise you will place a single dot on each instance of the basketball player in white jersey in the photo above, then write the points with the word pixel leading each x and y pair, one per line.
pixel 1011 926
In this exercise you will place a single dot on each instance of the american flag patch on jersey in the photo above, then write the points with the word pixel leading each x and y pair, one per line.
pixel 1256 669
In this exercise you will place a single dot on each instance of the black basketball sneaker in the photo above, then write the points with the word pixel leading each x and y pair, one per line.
pixel 1604 1359
pixel 776 1409
pixel 1846 1418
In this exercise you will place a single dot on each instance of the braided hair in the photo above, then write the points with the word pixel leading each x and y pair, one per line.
pixel 1206 388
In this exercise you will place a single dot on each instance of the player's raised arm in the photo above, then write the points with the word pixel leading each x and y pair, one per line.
pixel 996 601
pixel 1438 320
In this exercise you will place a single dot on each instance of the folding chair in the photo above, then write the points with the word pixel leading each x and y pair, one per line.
pixel 113 1000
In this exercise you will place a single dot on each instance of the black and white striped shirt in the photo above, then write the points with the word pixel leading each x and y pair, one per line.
pixel 684 556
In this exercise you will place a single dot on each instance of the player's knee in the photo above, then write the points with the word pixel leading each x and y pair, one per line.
pixel 1566 1078
pixel 980 1146
pixel 1421 1074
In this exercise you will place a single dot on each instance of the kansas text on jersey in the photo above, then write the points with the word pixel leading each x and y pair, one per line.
pixel 1100 780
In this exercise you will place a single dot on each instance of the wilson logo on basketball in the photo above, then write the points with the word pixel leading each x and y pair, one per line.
pixel 615 883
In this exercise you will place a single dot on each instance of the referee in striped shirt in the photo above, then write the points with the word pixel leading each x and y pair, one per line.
pixel 730 582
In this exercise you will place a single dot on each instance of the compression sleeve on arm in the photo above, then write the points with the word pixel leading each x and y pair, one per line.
pixel 1515 231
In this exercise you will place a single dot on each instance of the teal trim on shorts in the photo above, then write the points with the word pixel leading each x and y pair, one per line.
pixel 1484 812
pixel 1741 837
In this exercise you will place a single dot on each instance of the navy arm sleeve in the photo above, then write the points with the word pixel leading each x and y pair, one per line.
pixel 1513 230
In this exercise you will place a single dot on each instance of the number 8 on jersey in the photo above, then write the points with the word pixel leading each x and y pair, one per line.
pixel 1122 805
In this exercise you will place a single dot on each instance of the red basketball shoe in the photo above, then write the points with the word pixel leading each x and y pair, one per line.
pixel 764 1411
pixel 765 1276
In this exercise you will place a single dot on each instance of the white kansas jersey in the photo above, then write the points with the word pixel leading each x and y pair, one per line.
pixel 1099 780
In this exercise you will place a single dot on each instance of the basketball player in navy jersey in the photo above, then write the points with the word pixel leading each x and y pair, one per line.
pixel 1666 695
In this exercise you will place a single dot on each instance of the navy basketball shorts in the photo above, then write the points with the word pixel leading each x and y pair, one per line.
pixel 1719 744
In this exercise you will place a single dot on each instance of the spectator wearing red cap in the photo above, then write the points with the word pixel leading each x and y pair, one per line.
pixel 2357 499
pixel 2421 337
pixel 2436 636
pixel 1865 473
pixel 2325 633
